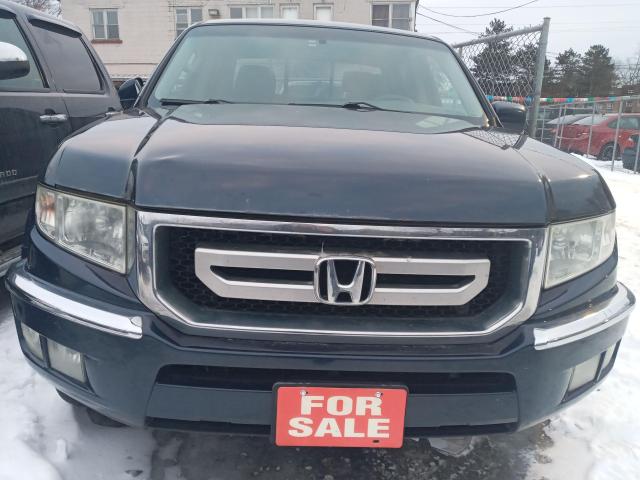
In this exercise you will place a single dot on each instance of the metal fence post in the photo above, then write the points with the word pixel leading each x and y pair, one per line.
pixel 593 119
pixel 615 139
pixel 542 130
pixel 557 129
pixel 635 165
pixel 561 126
pixel 537 85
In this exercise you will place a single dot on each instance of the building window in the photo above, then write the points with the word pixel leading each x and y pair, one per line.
pixel 253 11
pixel 105 24
pixel 290 12
pixel 186 17
pixel 324 13
pixel 394 15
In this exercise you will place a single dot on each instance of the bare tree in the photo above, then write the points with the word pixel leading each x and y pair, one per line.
pixel 48 6
pixel 629 71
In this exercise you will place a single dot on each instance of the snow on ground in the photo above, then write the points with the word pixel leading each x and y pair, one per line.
pixel 599 437
pixel 43 438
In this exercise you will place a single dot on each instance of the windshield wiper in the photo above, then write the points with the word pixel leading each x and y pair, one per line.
pixel 349 106
pixel 361 106
pixel 180 101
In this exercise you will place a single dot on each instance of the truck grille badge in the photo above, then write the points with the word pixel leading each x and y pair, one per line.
pixel 345 280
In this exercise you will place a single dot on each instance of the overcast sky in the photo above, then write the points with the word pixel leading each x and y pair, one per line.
pixel 575 24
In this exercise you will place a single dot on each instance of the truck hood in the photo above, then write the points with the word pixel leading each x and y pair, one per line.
pixel 356 166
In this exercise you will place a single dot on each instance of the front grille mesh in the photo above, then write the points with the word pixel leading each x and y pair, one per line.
pixel 181 269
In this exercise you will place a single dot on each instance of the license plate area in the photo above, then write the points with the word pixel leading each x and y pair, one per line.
pixel 338 416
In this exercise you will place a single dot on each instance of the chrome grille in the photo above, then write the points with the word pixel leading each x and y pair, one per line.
pixel 168 286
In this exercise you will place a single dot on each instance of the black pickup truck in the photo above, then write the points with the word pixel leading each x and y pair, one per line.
pixel 318 232
pixel 51 84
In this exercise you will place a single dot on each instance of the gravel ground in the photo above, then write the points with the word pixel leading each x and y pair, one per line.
pixel 207 457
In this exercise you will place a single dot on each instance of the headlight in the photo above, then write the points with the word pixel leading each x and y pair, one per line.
pixel 92 229
pixel 577 247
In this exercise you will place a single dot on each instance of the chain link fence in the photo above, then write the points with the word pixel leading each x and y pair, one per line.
pixel 510 66
pixel 607 129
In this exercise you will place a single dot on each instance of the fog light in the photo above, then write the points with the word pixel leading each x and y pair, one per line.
pixel 66 361
pixel 32 340
pixel 584 373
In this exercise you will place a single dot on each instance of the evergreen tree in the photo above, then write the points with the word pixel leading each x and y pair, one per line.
pixel 549 83
pixel 493 66
pixel 568 75
pixel 524 67
pixel 598 72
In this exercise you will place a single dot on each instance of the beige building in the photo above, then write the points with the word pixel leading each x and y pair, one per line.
pixel 131 36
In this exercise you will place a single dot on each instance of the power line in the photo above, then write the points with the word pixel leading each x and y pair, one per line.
pixel 480 14
pixel 524 25
pixel 430 29
pixel 579 5
pixel 448 24
pixel 617 29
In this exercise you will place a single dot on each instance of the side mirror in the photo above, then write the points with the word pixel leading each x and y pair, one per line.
pixel 13 62
pixel 513 116
pixel 129 92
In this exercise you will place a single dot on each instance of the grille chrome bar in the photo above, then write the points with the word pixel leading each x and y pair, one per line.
pixel 207 259
pixel 478 268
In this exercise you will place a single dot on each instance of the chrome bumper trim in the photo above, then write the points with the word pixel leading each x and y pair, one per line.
pixel 582 326
pixel 41 295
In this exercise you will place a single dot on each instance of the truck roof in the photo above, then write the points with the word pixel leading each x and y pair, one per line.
pixel 316 23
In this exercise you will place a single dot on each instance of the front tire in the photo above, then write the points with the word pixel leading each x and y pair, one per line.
pixel 71 401
pixel 95 417
pixel 102 420
pixel 607 151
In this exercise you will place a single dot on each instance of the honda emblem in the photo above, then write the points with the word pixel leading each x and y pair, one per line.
pixel 342 280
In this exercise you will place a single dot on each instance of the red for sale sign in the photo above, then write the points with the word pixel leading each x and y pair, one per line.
pixel 340 417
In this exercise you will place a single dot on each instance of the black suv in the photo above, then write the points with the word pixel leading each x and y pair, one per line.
pixel 51 84
pixel 322 233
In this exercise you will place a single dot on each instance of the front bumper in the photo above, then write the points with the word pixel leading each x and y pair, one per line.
pixel 141 371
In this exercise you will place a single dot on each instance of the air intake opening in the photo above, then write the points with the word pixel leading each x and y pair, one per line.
pixel 262 379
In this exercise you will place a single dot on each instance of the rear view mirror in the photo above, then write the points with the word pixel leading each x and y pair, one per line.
pixel 13 62
pixel 129 92
pixel 513 116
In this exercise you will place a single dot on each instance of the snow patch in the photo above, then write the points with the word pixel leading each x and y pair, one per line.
pixel 44 438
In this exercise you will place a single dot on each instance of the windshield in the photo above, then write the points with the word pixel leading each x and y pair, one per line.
pixel 283 65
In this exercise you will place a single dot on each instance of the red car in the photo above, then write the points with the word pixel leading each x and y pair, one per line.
pixel 575 137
